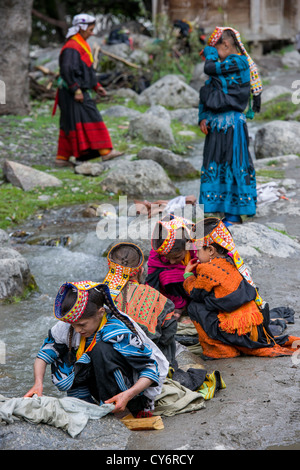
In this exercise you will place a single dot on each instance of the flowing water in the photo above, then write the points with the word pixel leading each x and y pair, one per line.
pixel 25 324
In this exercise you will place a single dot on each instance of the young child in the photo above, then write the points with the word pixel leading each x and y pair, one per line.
pixel 151 310
pixel 227 177
pixel 225 307
pixel 168 258
pixel 99 354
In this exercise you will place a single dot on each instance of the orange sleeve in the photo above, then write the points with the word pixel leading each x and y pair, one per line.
pixel 206 279
pixel 189 284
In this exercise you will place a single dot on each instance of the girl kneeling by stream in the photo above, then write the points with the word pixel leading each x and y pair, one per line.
pixel 99 354
pixel 229 315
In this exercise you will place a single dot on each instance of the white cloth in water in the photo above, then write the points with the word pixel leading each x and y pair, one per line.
pixel 67 413
pixel 269 192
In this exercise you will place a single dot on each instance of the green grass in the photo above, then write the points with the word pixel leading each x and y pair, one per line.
pixel 17 205
pixel 271 174
pixel 278 109
pixel 36 139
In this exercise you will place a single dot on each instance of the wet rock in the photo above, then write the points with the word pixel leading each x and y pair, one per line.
pixel 27 178
pixel 90 211
pixel 264 240
pixel 174 164
pixel 170 91
pixel 155 131
pixel 15 273
pixel 138 179
pixel 57 241
pixel 4 238
pixel 107 433
pixel 277 138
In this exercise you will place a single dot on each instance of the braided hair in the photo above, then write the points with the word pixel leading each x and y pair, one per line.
pixel 96 299
pixel 117 314
pixel 230 36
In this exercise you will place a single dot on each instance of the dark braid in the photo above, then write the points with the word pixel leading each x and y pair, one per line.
pixel 228 34
pixel 97 297
pixel 124 301
pixel 118 315
pixel 71 334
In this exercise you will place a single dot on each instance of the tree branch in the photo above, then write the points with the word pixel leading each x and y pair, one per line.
pixel 58 23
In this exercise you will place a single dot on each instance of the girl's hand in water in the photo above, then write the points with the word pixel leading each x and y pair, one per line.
pixel 35 390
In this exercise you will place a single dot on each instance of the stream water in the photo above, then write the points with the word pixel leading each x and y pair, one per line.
pixel 25 324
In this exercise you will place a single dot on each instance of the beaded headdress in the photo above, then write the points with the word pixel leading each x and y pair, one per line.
pixel 120 273
pixel 255 82
pixel 221 235
pixel 171 226
pixel 82 289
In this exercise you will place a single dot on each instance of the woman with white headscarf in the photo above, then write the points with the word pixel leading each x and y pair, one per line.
pixel 83 133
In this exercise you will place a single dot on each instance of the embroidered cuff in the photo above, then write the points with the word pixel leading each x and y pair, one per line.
pixel 186 275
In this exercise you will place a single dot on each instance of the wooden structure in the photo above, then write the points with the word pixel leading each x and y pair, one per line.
pixel 259 21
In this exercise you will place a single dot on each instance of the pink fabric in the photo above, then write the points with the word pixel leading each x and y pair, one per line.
pixel 172 273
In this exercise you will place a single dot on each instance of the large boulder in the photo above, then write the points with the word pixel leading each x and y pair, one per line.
pixel 27 178
pixel 274 91
pixel 170 91
pixel 187 116
pixel 152 129
pixel 252 236
pixel 277 138
pixel 121 111
pixel 174 164
pixel 141 179
pixel 90 169
pixel 15 275
pixel 159 112
pixel 291 59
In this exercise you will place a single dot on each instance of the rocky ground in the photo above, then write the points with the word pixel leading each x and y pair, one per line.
pixel 259 409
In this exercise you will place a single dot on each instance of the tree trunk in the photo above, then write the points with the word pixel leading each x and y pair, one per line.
pixel 15 27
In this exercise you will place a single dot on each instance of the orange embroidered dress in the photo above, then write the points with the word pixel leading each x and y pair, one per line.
pixel 154 313
pixel 226 316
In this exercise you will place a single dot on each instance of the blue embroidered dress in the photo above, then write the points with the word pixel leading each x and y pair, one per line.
pixel 228 181
pixel 142 356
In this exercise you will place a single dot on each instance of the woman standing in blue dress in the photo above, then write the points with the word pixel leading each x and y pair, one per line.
pixel 228 183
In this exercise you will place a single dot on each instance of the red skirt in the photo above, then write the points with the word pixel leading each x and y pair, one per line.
pixel 82 130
